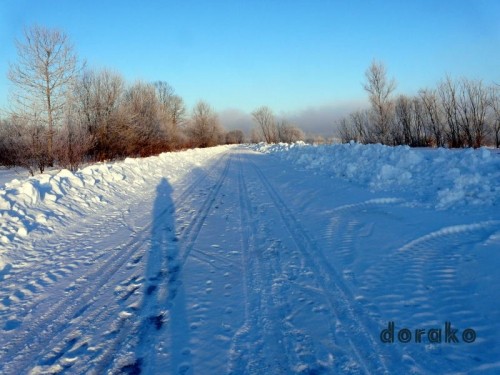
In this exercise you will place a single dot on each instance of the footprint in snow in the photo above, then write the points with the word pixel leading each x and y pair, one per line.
pixel 150 289
pixel 11 325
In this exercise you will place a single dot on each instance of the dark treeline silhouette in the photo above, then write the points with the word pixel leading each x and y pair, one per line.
pixel 456 113
pixel 62 113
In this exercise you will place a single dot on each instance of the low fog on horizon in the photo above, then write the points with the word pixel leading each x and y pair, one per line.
pixel 314 120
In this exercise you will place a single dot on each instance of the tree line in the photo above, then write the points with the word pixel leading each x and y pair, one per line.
pixel 272 130
pixel 62 113
pixel 456 113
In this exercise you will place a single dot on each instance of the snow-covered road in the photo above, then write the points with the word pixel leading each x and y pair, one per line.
pixel 248 265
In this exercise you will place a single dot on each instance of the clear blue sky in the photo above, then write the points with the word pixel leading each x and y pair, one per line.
pixel 290 55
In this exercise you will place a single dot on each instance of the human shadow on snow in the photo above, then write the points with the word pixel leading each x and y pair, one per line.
pixel 163 309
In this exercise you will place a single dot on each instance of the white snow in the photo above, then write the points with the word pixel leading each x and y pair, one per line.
pixel 441 177
pixel 8 174
pixel 289 259
pixel 46 201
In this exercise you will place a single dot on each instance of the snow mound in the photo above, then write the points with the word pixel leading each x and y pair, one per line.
pixel 443 178
pixel 41 202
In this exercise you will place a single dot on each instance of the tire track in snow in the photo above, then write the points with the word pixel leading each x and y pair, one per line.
pixel 347 231
pixel 35 277
pixel 250 351
pixel 432 290
pixel 427 259
pixel 351 330
pixel 156 314
pixel 52 327
pixel 158 308
pixel 24 348
pixel 290 281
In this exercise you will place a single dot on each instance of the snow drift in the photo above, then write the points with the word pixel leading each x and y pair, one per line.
pixel 440 177
pixel 42 202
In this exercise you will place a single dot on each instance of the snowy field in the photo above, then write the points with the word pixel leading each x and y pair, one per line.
pixel 255 260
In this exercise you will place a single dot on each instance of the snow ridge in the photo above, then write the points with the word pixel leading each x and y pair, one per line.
pixel 45 201
pixel 443 178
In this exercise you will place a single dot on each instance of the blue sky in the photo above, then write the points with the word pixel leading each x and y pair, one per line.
pixel 294 56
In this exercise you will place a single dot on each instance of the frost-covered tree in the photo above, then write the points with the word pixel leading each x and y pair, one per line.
pixel 173 109
pixel 73 140
pixel 46 68
pixel 380 88
pixel 495 106
pixel 433 116
pixel 234 137
pixel 473 106
pixel 98 95
pixel 204 129
pixel 266 123
pixel 141 128
pixel 288 133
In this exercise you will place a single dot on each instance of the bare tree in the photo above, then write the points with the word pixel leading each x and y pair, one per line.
pixel 174 110
pixel 422 137
pixel 27 143
pixel 433 117
pixel 8 147
pixel 448 94
pixel 355 127
pixel 346 131
pixel 264 117
pixel 143 133
pixel 288 133
pixel 380 89
pixel 495 106
pixel 47 66
pixel 204 129
pixel 473 105
pixel 360 121
pixel 98 95
pixel 73 140
pixel 164 92
pixel 234 137
pixel 256 136
pixel 315 140
pixel 404 121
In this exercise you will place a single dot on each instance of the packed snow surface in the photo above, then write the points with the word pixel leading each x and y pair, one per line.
pixel 269 259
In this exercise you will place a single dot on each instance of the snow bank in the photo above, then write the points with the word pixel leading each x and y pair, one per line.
pixel 8 174
pixel 40 202
pixel 444 178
